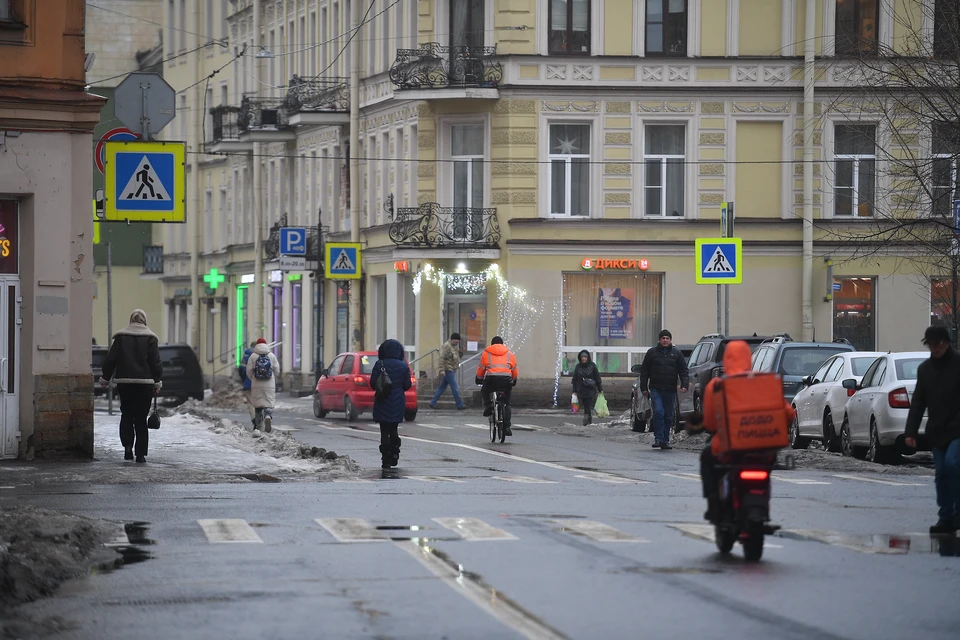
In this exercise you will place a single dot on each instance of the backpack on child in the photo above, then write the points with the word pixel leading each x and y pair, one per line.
pixel 263 369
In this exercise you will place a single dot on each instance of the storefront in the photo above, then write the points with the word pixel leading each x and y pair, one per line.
pixel 854 308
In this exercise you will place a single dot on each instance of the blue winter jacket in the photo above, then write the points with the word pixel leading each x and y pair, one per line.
pixel 392 356
pixel 243 369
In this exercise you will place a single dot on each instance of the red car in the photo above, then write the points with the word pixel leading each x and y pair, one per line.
pixel 345 386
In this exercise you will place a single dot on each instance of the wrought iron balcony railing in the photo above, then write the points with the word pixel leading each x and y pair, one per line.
pixel 262 113
pixel 431 225
pixel 434 66
pixel 225 125
pixel 314 94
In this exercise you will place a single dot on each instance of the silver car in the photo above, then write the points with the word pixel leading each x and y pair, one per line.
pixel 876 414
pixel 822 399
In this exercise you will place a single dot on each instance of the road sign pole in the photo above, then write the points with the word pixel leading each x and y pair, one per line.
pixel 109 319
pixel 727 233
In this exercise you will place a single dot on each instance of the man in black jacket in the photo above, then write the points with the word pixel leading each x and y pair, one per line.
pixel 938 393
pixel 661 368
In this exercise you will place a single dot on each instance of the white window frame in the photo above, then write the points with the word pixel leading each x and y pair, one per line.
pixel 885 17
pixel 640 30
pixel 592 174
pixel 855 157
pixel 445 191
pixel 441 21
pixel 663 169
pixel 596 29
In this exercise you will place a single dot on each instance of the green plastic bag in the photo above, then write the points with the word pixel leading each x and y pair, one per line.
pixel 600 407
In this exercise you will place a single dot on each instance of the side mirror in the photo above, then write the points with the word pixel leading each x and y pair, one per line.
pixel 325 373
pixel 635 368
pixel 806 381
pixel 850 384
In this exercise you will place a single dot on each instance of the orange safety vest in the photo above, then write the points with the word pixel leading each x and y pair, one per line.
pixel 497 360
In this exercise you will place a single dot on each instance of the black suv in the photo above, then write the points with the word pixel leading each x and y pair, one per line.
pixel 182 375
pixel 706 363
pixel 794 360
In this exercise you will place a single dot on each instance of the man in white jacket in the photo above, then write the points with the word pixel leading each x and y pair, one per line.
pixel 262 370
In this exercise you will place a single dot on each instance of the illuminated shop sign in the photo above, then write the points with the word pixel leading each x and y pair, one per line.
pixel 622 264
pixel 9 238
pixel 401 266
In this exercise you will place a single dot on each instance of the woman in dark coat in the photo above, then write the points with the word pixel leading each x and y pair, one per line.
pixel 134 364
pixel 389 412
pixel 586 384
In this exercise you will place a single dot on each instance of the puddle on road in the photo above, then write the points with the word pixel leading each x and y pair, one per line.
pixel 893 544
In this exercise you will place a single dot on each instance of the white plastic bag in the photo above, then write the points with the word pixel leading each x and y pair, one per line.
pixel 574 403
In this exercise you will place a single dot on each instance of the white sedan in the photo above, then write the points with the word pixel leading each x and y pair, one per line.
pixel 823 397
pixel 877 412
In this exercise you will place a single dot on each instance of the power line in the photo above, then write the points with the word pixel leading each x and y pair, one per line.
pixel 159 24
pixel 354 33
pixel 214 72
pixel 164 61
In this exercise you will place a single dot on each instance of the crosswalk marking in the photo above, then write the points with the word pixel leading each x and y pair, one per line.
pixel 351 530
pixel 477 426
pixel 797 480
pixel 610 479
pixel 595 530
pixel 525 479
pixel 836 539
pixel 429 425
pixel 352 481
pixel 228 531
pixel 284 428
pixel 435 479
pixel 848 476
pixel 683 476
pixel 474 529
pixel 526 427
pixel 708 533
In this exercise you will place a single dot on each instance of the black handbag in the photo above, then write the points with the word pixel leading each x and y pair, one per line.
pixel 153 422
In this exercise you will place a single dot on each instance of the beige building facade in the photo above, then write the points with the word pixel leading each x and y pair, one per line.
pixel 543 171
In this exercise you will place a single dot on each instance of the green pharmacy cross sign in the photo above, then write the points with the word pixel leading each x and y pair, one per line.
pixel 214 279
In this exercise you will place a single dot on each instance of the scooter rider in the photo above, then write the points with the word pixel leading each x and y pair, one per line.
pixel 497 372
pixel 736 360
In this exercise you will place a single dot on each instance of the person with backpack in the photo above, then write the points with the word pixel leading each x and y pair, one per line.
pixel 389 380
pixel 242 370
pixel 262 370
pixel 587 384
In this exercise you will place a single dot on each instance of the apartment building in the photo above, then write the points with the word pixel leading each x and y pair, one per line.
pixel 543 169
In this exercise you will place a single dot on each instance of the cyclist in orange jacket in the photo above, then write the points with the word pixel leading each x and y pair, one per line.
pixel 497 372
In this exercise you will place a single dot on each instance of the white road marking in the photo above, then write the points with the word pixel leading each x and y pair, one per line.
pixel 485 597
pixel 683 476
pixel 284 428
pixel 10 487
pixel 119 539
pixel 434 479
pixel 353 481
pixel 844 541
pixel 606 477
pixel 525 479
pixel 228 530
pixel 850 476
pixel 351 530
pixel 527 427
pixel 333 428
pixel 429 425
pixel 485 427
pixel 797 480
pixel 706 532
pixel 474 529
pixel 596 530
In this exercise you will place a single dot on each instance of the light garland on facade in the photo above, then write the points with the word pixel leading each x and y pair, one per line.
pixel 560 311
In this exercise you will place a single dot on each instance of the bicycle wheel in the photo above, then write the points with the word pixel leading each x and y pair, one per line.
pixel 501 411
pixel 493 424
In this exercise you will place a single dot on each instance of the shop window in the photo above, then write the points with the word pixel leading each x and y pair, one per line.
pixel 569 27
pixel 224 332
pixel 277 334
pixel 941 302
pixel 380 308
pixel 243 316
pixel 569 169
pixel 946 29
pixel 945 147
pixel 663 163
pixel 209 346
pixel 296 323
pixel 666 28
pixel 611 310
pixel 409 311
pixel 855 169
pixel 854 305
pixel 343 317
pixel 856 26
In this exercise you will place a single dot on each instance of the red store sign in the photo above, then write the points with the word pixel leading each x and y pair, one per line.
pixel 9 237
pixel 622 264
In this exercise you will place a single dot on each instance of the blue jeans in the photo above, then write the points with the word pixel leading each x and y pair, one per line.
pixel 662 403
pixel 449 380
pixel 946 462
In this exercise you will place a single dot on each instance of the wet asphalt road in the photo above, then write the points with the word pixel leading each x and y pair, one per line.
pixel 846 565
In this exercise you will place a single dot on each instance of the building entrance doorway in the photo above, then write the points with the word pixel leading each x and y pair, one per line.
pixel 467 315
pixel 10 304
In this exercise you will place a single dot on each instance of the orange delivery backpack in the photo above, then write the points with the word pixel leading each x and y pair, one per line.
pixel 750 412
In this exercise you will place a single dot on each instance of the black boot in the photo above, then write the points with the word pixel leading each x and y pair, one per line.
pixel 128 453
pixel 713 508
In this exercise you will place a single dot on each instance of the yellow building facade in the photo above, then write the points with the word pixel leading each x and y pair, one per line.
pixel 540 170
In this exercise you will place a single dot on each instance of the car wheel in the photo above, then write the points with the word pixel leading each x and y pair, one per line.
pixel 846 444
pixel 697 405
pixel 876 452
pixel 348 409
pixel 830 440
pixel 410 415
pixel 638 423
pixel 318 409
pixel 677 425
pixel 796 440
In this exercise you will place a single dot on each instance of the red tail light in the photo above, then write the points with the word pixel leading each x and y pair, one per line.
pixel 899 399
pixel 754 475
pixel 360 381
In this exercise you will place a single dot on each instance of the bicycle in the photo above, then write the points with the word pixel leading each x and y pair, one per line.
pixel 496 418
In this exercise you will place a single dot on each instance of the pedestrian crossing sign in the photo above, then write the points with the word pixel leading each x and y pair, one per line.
pixel 342 261
pixel 719 260
pixel 144 181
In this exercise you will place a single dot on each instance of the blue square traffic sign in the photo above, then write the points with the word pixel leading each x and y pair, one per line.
pixel 719 261
pixel 144 181
pixel 342 261
pixel 293 241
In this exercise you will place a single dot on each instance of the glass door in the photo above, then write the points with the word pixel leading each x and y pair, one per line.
pixel 9 365
pixel 469 319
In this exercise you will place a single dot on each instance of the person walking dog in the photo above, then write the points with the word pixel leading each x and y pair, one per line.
pixel 133 362
pixel 263 369
pixel 388 406
pixel 449 364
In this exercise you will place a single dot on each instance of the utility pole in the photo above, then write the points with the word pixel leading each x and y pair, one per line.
pixel 809 62
pixel 110 320
pixel 355 332
pixel 195 187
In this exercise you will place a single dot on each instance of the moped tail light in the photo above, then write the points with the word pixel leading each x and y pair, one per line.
pixel 754 475
pixel 899 399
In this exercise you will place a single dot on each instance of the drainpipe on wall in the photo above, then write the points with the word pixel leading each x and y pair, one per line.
pixel 806 309
pixel 255 301
pixel 355 337
pixel 195 221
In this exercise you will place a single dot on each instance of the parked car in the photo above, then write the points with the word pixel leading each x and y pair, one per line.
pixel 641 412
pixel 182 375
pixel 822 397
pixel 345 386
pixel 877 412
pixel 794 360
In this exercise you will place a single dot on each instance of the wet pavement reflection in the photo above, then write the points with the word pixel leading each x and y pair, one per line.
pixel 896 544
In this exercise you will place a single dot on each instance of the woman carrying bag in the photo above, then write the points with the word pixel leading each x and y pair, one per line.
pixel 587 384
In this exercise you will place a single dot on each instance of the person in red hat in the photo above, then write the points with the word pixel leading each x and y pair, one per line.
pixel 263 369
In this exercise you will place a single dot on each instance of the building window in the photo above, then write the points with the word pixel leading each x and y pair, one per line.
pixel 466 152
pixel 942 291
pixel 296 321
pixel 409 312
pixel 855 167
pixel 243 318
pixel 666 28
pixel 277 335
pixel 182 322
pixel 946 29
pixel 343 318
pixel 853 312
pixel 224 332
pixel 943 178
pixel 611 310
pixel 663 165
pixel 171 322
pixel 856 26
pixel 466 23
pixel 379 308
pixel 210 329
pixel 569 169
pixel 569 27
pixel 4 10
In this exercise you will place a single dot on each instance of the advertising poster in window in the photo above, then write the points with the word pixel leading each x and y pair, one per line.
pixel 615 313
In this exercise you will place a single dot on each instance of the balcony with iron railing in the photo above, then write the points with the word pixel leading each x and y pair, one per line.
pixel 225 130
pixel 431 225
pixel 316 101
pixel 264 120
pixel 434 71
